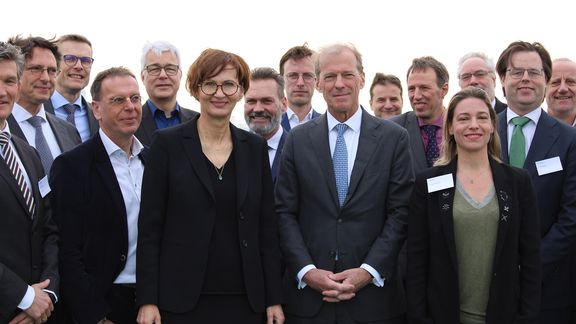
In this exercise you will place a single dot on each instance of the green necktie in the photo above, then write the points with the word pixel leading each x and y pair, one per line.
pixel 518 143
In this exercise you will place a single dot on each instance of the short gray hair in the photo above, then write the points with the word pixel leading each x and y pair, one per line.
pixel 157 48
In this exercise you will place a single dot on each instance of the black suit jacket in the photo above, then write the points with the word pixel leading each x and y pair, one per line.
pixel 145 133
pixel 499 106
pixel 276 162
pixel 90 212
pixel 92 122
pixel 28 243
pixel 432 276
pixel 369 228
pixel 556 194
pixel 286 123
pixel 177 216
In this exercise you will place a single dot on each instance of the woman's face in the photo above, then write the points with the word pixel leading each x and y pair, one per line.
pixel 471 125
pixel 219 104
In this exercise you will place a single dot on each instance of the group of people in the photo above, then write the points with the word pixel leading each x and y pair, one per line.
pixel 118 211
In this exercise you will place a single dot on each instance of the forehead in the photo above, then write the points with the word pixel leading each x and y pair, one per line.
pixel 74 47
pixel 471 106
pixel 525 59
pixel 8 69
pixel 119 85
pixel 473 64
pixel 305 64
pixel 564 67
pixel 418 77
pixel 262 88
pixel 164 56
pixel 42 56
pixel 343 60
pixel 387 89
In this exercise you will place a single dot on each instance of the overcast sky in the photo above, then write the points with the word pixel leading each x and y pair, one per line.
pixel 389 34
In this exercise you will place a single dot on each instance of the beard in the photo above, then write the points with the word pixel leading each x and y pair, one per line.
pixel 266 129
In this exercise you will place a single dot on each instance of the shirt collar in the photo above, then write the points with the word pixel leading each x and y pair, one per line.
pixel 112 148
pixel 275 139
pixel 534 115
pixel 290 113
pixel 354 122
pixel 153 108
pixel 438 121
pixel 21 114
pixel 58 100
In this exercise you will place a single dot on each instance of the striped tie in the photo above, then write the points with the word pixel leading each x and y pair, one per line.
pixel 13 165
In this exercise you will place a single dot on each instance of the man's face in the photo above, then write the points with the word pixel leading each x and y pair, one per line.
pixel 425 95
pixel 165 85
pixel 119 110
pixel 524 82
pixel 299 78
pixel 474 72
pixel 340 82
pixel 74 75
pixel 386 100
pixel 561 93
pixel 262 107
pixel 38 79
pixel 8 88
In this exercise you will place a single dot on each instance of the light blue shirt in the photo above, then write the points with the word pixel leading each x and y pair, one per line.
pixel 22 115
pixel 80 115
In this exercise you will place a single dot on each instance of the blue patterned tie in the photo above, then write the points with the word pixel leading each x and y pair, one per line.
pixel 340 161
pixel 70 110
pixel 432 151
pixel 41 144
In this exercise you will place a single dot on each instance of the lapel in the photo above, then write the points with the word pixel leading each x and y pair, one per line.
pixel 503 192
pixel 190 141
pixel 15 128
pixel 416 143
pixel 48 106
pixel 285 123
pixel 367 146
pixel 445 199
pixel 503 133
pixel 276 162
pixel 243 154
pixel 318 137
pixel 546 134
pixel 186 115
pixel 93 124
pixel 147 125
pixel 315 114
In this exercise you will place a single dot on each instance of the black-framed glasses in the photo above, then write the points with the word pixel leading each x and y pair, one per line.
pixel 228 87
pixel 518 73
pixel 479 74
pixel 294 76
pixel 155 69
pixel 71 60
pixel 37 70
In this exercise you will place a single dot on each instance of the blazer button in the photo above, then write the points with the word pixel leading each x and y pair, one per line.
pixel 122 257
pixel 242 216
pixel 245 243
pixel 35 267
pixel 339 220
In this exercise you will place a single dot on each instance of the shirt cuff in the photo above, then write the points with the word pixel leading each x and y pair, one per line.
pixel 377 280
pixel 28 299
pixel 52 295
pixel 302 273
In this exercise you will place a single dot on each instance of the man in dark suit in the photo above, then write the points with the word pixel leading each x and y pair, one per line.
pixel 67 102
pixel 342 199
pixel 28 237
pixel 477 69
pixel 28 116
pixel 547 149
pixel 161 74
pixel 297 68
pixel 96 201
pixel 263 104
pixel 427 80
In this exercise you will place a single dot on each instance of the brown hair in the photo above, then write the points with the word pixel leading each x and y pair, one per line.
pixel 296 53
pixel 520 46
pixel 73 38
pixel 109 73
pixel 384 79
pixel 422 63
pixel 27 45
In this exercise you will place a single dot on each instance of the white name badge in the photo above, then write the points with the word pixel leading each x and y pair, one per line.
pixel 44 187
pixel 549 166
pixel 440 182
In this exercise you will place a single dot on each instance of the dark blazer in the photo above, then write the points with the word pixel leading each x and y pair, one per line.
pixel 409 121
pixel 66 134
pixel 28 243
pixel 369 228
pixel 276 162
pixel 556 194
pixel 177 216
pixel 90 212
pixel 499 106
pixel 145 133
pixel 432 276
pixel 286 123
pixel 92 122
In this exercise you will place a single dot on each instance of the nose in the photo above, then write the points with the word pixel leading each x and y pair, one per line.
pixel 563 86
pixel 339 81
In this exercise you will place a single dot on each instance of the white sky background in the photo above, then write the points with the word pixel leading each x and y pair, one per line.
pixel 389 34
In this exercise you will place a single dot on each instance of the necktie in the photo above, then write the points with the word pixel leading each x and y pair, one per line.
pixel 40 143
pixel 70 109
pixel 13 165
pixel 340 161
pixel 432 151
pixel 518 143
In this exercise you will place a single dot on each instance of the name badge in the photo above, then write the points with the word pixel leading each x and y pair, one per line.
pixel 549 166
pixel 44 187
pixel 440 182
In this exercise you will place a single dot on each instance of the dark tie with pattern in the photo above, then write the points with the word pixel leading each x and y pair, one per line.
pixel 70 110
pixel 41 144
pixel 432 151
pixel 13 165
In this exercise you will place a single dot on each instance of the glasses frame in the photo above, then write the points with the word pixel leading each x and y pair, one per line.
pixel 294 77
pixel 221 86
pixel 533 74
pixel 157 68
pixel 39 70
pixel 85 61
pixel 468 76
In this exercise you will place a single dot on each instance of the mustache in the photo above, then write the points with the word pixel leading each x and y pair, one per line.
pixel 260 114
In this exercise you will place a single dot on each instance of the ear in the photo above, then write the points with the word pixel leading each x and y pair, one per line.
pixel 444 90
pixel 284 104
pixel 318 85
pixel 142 76
pixel 96 110
pixel 362 80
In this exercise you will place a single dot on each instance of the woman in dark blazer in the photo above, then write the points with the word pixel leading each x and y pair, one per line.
pixel 208 245
pixel 473 237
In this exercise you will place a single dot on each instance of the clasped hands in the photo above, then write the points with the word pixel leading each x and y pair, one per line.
pixel 336 287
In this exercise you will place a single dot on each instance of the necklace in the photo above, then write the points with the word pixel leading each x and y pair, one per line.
pixel 219 171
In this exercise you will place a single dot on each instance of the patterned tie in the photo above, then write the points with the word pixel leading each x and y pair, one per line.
pixel 40 143
pixel 340 161
pixel 432 151
pixel 13 165
pixel 70 110
pixel 518 143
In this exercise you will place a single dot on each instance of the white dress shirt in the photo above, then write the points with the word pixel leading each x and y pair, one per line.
pixel 21 115
pixel 293 118
pixel 273 143
pixel 528 130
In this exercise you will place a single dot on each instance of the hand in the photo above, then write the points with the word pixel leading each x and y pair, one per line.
pixel 355 279
pixel 105 321
pixel 41 307
pixel 322 281
pixel 22 318
pixel 274 315
pixel 148 314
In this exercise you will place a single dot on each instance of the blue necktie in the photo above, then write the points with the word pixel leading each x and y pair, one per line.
pixel 70 110
pixel 432 151
pixel 41 144
pixel 340 161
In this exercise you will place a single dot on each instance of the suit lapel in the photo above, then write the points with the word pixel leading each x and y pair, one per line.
pixel 285 123
pixel 193 149
pixel 32 175
pixel 15 128
pixel 242 157
pixel 148 125
pixel 319 138
pixel 93 125
pixel 446 205
pixel 276 161
pixel 545 136
pixel 367 143
pixel 503 133
pixel 416 143
pixel 6 173
pixel 503 194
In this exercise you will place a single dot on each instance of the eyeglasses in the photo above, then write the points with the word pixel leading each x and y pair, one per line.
pixel 155 69
pixel 71 60
pixel 477 74
pixel 120 101
pixel 307 77
pixel 209 88
pixel 517 73
pixel 38 70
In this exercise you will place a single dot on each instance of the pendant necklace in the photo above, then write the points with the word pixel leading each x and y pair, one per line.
pixel 220 171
